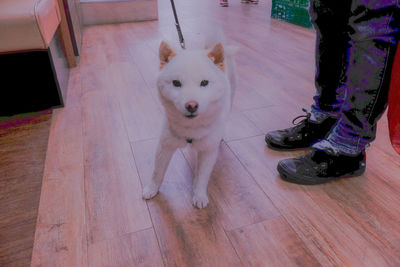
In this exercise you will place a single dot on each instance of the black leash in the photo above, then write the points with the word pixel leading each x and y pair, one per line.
pixel 178 27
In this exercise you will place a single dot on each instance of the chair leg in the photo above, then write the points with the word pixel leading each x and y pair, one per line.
pixel 66 37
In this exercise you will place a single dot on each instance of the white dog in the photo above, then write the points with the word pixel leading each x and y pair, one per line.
pixel 196 89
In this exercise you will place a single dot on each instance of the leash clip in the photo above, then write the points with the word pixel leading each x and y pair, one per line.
pixel 181 40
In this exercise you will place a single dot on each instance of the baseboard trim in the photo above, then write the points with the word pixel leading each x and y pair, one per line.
pixel 111 12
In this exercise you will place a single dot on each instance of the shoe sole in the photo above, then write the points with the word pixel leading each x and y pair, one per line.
pixel 283 148
pixel 296 179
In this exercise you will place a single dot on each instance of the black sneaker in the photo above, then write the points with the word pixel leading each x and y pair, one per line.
pixel 317 167
pixel 302 135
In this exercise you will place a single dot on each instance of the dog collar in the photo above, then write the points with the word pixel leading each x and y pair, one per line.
pixel 189 140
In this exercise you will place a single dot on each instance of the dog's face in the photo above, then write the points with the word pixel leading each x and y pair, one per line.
pixel 192 82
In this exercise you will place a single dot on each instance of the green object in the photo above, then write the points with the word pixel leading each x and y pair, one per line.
pixel 293 11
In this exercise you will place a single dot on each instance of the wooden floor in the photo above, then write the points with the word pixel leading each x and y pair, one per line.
pixel 102 144
pixel 23 145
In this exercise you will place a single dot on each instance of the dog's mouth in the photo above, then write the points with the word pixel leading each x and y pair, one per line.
pixel 191 116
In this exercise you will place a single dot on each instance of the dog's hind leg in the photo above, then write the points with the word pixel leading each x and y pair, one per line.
pixel 206 162
pixel 164 154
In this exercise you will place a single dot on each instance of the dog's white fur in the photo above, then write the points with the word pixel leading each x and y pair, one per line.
pixel 191 67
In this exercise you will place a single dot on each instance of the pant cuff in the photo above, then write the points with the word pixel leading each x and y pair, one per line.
pixel 318 115
pixel 340 143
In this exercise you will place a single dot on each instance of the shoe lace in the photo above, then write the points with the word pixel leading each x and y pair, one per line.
pixel 305 116
pixel 299 125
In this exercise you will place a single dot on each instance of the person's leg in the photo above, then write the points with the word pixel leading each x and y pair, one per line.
pixel 330 19
pixel 374 32
pixel 223 3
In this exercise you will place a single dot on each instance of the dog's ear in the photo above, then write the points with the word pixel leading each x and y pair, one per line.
pixel 217 56
pixel 166 53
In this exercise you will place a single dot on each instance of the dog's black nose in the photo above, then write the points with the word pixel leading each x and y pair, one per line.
pixel 192 106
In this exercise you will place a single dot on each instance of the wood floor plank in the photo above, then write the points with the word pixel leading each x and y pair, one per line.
pixel 141 113
pixel 263 40
pixel 187 236
pixel 247 98
pixel 239 126
pixel 272 83
pixel 315 213
pixel 370 209
pixel 141 53
pixel 135 249
pixel 378 157
pixel 238 199
pixel 129 88
pixel 271 243
pixel 60 238
pixel 92 55
pixel 272 118
pixel 113 191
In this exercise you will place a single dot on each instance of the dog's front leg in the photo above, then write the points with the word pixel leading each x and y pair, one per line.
pixel 206 162
pixel 163 157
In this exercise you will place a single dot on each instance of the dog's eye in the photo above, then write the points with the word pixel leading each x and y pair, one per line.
pixel 204 83
pixel 176 83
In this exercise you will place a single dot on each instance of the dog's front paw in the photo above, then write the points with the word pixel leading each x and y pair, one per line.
pixel 200 200
pixel 149 191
